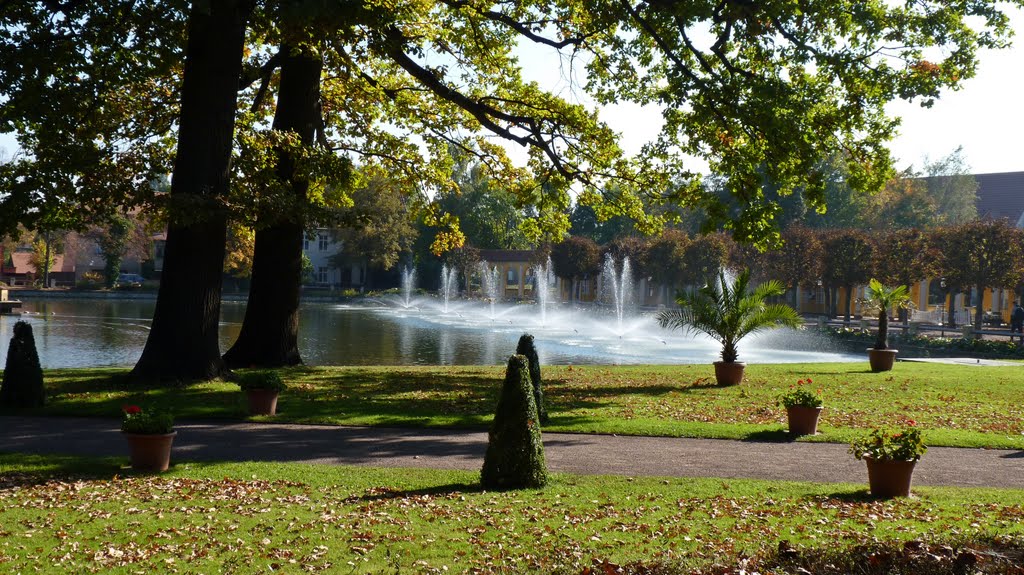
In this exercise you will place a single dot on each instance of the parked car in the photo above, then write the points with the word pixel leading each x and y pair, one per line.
pixel 129 280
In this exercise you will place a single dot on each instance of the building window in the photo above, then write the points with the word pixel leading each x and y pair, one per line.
pixel 305 244
pixel 512 278
pixel 321 274
pixel 323 242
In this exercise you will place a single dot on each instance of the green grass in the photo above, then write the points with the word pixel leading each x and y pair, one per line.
pixel 960 406
pixel 74 515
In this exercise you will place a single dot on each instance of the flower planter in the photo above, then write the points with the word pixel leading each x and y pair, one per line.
pixel 729 372
pixel 262 401
pixel 881 359
pixel 888 478
pixel 150 452
pixel 803 420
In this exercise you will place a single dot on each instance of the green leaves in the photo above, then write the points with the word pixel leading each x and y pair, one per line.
pixel 730 311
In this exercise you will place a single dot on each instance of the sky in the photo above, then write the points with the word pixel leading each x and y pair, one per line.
pixel 985 117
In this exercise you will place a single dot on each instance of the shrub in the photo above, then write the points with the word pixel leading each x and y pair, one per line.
pixel 515 454
pixel 22 384
pixel 890 445
pixel 263 379
pixel 146 421
pixel 527 349
pixel 90 280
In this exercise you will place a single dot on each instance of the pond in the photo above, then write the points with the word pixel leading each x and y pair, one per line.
pixel 105 332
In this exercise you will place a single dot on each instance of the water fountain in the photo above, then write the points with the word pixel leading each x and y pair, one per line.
pixel 449 285
pixel 489 284
pixel 408 285
pixel 544 276
pixel 617 288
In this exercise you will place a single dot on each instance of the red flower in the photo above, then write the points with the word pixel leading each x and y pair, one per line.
pixel 809 380
pixel 911 422
pixel 800 382
pixel 131 409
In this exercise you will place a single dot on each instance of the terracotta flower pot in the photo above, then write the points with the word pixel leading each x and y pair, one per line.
pixel 881 359
pixel 262 401
pixel 729 372
pixel 888 478
pixel 803 420
pixel 150 452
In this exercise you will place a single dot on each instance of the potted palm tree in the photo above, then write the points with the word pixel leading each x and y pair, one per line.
pixel 880 300
pixel 727 312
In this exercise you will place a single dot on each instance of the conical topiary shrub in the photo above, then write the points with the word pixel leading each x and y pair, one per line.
pixel 515 454
pixel 526 348
pixel 23 377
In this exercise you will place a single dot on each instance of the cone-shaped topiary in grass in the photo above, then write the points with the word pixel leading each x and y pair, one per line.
pixel 22 384
pixel 526 348
pixel 515 454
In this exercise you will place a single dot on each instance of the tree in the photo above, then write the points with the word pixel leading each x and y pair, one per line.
pixel 490 216
pixel 904 203
pixel 881 300
pixel 848 262
pixel 576 258
pixel 43 258
pixel 183 342
pixel 756 110
pixel 798 262
pixel 950 264
pixel 239 251
pixel 986 254
pixel 728 311
pixel 953 188
pixel 630 247
pixel 270 329
pixel 665 261
pixel 377 230
pixel 704 258
pixel 903 257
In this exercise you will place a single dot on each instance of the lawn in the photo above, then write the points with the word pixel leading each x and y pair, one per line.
pixel 73 515
pixel 961 406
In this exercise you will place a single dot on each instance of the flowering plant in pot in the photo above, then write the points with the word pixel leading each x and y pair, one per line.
pixel 803 408
pixel 150 433
pixel 890 455
pixel 262 389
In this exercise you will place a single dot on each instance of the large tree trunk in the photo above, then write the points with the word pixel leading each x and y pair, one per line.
pixel 182 343
pixel 269 334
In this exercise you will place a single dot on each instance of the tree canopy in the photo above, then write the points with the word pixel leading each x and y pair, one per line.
pixel 762 92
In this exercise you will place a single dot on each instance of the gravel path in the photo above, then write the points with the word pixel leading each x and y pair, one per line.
pixel 457 449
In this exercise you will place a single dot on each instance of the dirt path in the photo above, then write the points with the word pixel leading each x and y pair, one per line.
pixel 457 449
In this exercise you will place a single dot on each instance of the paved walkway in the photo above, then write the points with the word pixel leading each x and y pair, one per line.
pixel 457 449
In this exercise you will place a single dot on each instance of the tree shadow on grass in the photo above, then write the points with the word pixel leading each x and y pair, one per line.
pixel 33 470
pixel 384 494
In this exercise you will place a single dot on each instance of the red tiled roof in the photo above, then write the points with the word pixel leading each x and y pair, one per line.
pixel 23 263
